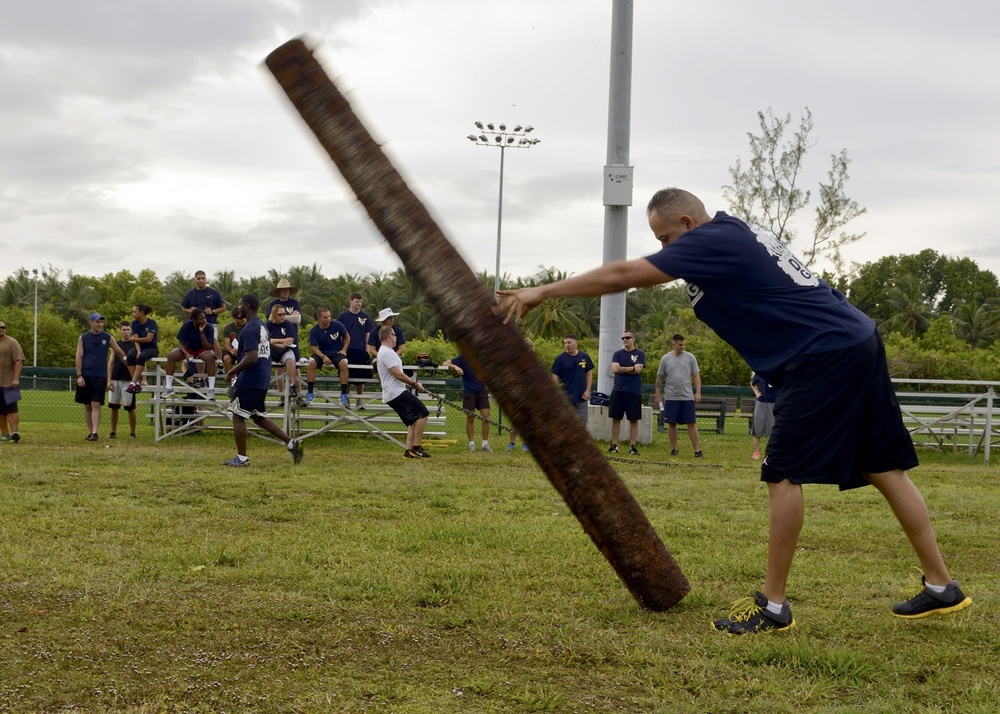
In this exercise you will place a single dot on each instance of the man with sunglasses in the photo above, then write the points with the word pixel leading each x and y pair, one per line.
pixel 626 392
pixel 11 361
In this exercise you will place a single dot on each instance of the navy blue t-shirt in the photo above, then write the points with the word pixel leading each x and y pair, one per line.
pixel 95 354
pixel 470 380
pixel 628 383
pixel 254 336
pixel 375 342
pixel 759 297
pixel 190 337
pixel 329 341
pixel 140 330
pixel 290 305
pixel 209 297
pixel 572 372
pixel 280 332
pixel 768 393
pixel 357 326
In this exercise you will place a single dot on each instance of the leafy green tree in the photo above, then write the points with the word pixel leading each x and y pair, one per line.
pixel 977 323
pixel 766 192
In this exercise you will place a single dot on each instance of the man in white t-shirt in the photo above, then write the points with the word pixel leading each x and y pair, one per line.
pixel 395 393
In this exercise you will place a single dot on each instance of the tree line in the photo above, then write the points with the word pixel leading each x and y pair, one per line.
pixel 939 315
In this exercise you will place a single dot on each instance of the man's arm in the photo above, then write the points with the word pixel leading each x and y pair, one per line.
pixel 614 277
pixel 590 383
pixel 458 370
pixel 15 379
pixel 697 386
pixel 397 372
pixel 79 359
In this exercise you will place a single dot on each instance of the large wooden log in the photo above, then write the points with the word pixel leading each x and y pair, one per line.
pixel 520 382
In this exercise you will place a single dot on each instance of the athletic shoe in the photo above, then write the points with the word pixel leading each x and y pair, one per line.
pixel 112 435
pixel 15 437
pixel 281 403
pixel 130 388
pixel 926 603
pixel 633 451
pixel 756 456
pixel 524 447
pixel 472 446
pixel 410 454
pixel 486 447
pixel 613 449
pixel 750 614
pixel 698 455
pixel 168 392
pixel 132 435
pixel 5 437
pixel 510 447
pixel 299 402
pixel 295 446
pixel 138 388
pixel 91 437
pixel 419 451
pixel 236 461
pixel 345 400
pixel 310 397
pixel 673 452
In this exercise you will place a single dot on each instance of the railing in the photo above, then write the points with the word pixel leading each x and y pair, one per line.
pixel 963 418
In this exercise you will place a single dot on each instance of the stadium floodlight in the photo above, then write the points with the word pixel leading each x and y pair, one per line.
pixel 502 139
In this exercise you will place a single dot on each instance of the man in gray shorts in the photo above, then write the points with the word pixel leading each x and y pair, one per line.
pixel 677 370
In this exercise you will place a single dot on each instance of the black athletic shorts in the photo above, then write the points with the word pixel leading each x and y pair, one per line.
pixel 361 358
pixel 473 401
pixel 836 418
pixel 409 407
pixel 625 404
pixel 93 390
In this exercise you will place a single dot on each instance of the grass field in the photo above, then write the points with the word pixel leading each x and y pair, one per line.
pixel 142 577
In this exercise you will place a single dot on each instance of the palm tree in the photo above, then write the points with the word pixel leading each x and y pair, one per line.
pixel 976 323
pixel 77 299
pixel 909 311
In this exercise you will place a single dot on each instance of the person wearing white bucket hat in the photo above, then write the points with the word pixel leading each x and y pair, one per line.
pixel 386 316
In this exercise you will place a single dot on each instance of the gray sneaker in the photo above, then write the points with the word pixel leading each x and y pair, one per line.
pixel 926 603
pixel 5 437
pixel 236 461
pixel 751 615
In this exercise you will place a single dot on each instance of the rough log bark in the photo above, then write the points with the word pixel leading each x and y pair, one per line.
pixel 520 382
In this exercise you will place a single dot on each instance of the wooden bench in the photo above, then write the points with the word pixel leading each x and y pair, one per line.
pixel 714 408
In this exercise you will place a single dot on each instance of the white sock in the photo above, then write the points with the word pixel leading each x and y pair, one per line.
pixel 242 458
pixel 211 382
pixel 936 589
pixel 774 607
pixel 170 381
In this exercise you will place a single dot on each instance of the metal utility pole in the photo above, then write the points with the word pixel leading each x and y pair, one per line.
pixel 617 183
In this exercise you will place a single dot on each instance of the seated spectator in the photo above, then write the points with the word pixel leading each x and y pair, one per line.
pixel 328 340
pixel 230 339
pixel 198 341
pixel 285 353
pixel 144 345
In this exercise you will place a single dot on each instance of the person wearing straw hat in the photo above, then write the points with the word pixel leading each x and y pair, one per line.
pixel 386 317
pixel 282 293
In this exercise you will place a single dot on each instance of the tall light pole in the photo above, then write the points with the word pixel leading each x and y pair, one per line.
pixel 498 136
pixel 34 357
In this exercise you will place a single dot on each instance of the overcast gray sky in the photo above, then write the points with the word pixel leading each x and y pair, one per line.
pixel 146 134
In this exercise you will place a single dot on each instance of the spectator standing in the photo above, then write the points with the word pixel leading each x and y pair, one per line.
pixel 11 362
pixel 475 397
pixel 204 298
pixel 92 371
pixel 118 379
pixel 574 370
pixel 677 371
pixel 282 294
pixel 763 410
pixel 626 392
pixel 358 325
